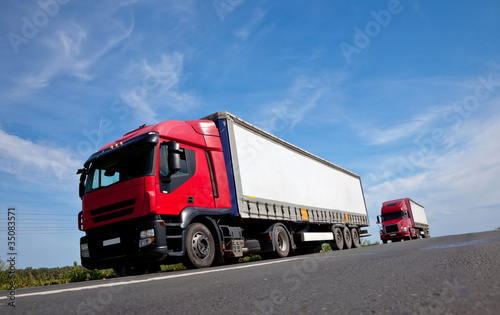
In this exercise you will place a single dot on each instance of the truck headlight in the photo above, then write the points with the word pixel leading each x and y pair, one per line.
pixel 84 250
pixel 147 233
pixel 146 237
pixel 405 229
pixel 146 241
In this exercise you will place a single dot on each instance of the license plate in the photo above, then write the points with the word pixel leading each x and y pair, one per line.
pixel 112 241
pixel 392 234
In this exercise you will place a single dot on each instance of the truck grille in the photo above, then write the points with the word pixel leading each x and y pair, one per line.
pixel 392 228
pixel 113 211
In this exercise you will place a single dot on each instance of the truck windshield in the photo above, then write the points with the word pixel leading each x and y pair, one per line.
pixel 392 216
pixel 121 166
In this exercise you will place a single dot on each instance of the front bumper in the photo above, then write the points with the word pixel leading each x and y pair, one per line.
pixel 392 236
pixel 117 245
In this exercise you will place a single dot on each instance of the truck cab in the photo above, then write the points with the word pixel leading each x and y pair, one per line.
pixel 149 183
pixel 397 221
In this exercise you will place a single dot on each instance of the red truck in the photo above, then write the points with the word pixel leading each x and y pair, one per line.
pixel 209 191
pixel 402 219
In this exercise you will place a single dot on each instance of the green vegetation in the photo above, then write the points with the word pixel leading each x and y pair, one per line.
pixel 30 277
pixel 79 273
pixel 250 258
pixel 176 267
pixel 366 242
pixel 325 247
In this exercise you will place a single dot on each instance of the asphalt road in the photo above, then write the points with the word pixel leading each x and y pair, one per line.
pixel 443 275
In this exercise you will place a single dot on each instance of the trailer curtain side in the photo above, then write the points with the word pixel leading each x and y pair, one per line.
pixel 273 179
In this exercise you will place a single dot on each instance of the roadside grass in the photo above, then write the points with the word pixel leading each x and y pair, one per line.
pixel 325 247
pixel 39 277
pixel 365 243
pixel 176 267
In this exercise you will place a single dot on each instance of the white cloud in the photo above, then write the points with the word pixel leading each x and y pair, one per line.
pixel 435 97
pixel 74 49
pixel 284 115
pixel 157 88
pixel 408 128
pixel 252 25
pixel 31 160
pixel 456 185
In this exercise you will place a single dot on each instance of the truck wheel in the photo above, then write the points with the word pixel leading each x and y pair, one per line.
pixel 200 246
pixel 347 238
pixel 338 239
pixel 281 241
pixel 355 237
pixel 384 241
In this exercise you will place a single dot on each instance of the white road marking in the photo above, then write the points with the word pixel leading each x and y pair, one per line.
pixel 107 285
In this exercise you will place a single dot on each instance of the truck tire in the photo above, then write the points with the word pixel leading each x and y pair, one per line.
pixel 355 237
pixel 338 241
pixel 409 237
pixel 200 246
pixel 281 241
pixel 419 236
pixel 347 238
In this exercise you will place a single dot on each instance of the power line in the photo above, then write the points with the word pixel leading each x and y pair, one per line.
pixel 27 221
pixel 48 232
pixel 47 202
pixel 45 228
pixel 46 214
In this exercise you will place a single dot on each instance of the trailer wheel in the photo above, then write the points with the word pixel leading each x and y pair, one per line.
pixel 281 241
pixel 419 236
pixel 355 237
pixel 347 238
pixel 338 239
pixel 200 246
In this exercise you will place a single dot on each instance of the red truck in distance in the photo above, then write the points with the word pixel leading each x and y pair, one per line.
pixel 402 219
pixel 209 191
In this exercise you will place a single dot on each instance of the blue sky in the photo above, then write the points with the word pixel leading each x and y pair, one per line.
pixel 404 93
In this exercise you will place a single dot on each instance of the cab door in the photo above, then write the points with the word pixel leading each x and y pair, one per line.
pixel 176 191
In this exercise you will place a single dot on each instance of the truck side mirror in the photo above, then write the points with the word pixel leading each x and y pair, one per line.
pixel 378 219
pixel 83 177
pixel 174 157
